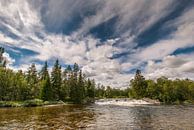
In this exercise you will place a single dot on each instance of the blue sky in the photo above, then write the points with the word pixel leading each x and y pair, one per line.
pixel 109 39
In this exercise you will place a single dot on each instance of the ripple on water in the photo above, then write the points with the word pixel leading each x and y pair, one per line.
pixel 99 117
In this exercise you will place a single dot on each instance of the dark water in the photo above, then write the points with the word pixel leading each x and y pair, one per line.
pixel 98 117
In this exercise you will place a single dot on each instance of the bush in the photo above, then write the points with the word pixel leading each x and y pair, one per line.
pixel 33 103
pixel 9 104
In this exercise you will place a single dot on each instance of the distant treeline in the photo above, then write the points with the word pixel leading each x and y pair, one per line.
pixel 165 90
pixel 70 85
pixel 66 85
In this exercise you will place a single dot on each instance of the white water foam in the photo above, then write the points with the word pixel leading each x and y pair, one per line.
pixel 122 102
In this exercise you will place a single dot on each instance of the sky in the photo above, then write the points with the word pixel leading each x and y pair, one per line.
pixel 109 39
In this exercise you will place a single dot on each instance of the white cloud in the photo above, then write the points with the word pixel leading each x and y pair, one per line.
pixel 8 59
pixel 181 38
pixel 25 19
pixel 180 66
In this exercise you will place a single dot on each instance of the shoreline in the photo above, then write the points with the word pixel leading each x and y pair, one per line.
pixel 143 101
pixel 29 103
pixel 104 101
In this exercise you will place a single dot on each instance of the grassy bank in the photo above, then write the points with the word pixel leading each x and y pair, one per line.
pixel 28 103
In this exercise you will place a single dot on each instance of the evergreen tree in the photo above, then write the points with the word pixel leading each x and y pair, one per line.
pixel 46 91
pixel 66 81
pixel 138 86
pixel 73 88
pixel 90 87
pixel 32 80
pixel 44 72
pixel 56 82
pixel 73 82
pixel 80 90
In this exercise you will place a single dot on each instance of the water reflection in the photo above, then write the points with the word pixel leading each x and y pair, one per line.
pixel 57 117
pixel 98 117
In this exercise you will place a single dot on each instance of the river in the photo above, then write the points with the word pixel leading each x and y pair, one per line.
pixel 104 115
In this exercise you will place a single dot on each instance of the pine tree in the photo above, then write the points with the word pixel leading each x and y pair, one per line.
pixel 73 82
pixel 46 91
pixel 68 72
pixel 90 87
pixel 80 88
pixel 139 86
pixel 56 81
pixel 32 80
pixel 44 72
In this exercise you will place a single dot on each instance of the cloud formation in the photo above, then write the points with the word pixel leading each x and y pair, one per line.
pixel 70 31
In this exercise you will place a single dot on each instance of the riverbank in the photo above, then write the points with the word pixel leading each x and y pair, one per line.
pixel 106 101
pixel 29 103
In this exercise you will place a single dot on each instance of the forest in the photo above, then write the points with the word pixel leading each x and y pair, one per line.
pixel 65 85
pixel 167 91
pixel 71 85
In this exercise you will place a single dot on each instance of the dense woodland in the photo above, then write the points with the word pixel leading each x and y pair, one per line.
pixel 165 90
pixel 70 85
pixel 65 85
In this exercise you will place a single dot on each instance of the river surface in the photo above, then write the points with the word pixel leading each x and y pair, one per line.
pixel 100 116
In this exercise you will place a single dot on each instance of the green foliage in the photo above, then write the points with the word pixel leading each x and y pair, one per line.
pixel 32 80
pixel 56 81
pixel 32 103
pixel 13 86
pixel 165 90
pixel 70 85
pixel 90 88
pixel 139 86
pixel 108 92
pixel 46 91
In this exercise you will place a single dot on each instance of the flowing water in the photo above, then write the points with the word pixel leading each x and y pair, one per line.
pixel 104 115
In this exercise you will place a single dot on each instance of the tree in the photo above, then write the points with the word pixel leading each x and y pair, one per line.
pixel 56 82
pixel 32 80
pixel 109 92
pixel 66 81
pixel 152 90
pixel 73 82
pixel 138 86
pixel 44 72
pixel 46 90
pixel 90 88
pixel 80 90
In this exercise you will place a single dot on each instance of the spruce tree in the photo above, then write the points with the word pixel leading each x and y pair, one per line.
pixel 139 86
pixel 73 82
pixel 56 81
pixel 80 88
pixel 44 72
pixel 32 80
pixel 46 91
pixel 90 87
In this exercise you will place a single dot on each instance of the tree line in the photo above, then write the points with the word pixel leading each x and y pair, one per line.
pixel 66 85
pixel 163 89
pixel 71 85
